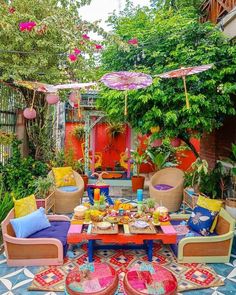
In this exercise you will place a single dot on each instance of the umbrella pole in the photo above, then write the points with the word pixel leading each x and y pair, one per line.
pixel 126 97
pixel 186 93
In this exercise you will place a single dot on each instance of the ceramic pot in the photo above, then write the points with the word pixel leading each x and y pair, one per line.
pixel 137 182
pixel 175 142
pixel 156 143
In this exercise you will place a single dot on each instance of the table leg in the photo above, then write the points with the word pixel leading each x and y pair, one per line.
pixel 90 250
pixel 150 249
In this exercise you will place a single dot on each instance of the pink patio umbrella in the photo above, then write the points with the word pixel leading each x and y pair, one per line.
pixel 126 81
pixel 183 72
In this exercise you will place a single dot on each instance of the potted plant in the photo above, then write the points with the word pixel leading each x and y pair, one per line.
pixel 44 192
pixel 199 170
pixel 79 132
pixel 114 129
pixel 137 159
pixel 78 166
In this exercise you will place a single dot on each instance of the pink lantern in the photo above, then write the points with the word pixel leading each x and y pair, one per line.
pixel 52 98
pixel 156 143
pixel 175 142
pixel 75 97
pixel 29 113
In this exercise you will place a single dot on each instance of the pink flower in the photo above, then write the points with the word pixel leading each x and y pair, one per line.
pixel 72 57
pixel 98 46
pixel 27 26
pixel 133 41
pixel 85 36
pixel 77 51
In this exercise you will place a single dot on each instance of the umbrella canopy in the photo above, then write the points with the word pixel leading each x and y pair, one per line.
pixel 126 81
pixel 33 85
pixel 183 72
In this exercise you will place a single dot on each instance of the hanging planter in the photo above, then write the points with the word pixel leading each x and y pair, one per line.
pixel 52 98
pixel 79 132
pixel 156 142
pixel 175 142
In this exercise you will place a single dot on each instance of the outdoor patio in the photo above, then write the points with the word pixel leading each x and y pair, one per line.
pixel 117 147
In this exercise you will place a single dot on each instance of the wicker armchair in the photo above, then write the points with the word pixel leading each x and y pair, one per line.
pixel 65 202
pixel 170 198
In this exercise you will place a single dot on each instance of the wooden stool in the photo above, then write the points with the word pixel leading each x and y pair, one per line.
pixel 92 279
pixel 149 278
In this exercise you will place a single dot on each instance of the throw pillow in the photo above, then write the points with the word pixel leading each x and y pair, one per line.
pixel 64 176
pixel 201 220
pixel 30 224
pixel 24 206
pixel 211 205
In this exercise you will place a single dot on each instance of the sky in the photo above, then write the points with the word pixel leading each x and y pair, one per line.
pixel 100 9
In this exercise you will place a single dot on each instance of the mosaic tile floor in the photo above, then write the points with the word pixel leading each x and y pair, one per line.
pixel 15 280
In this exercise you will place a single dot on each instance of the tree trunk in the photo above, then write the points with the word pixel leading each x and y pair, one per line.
pixel 186 139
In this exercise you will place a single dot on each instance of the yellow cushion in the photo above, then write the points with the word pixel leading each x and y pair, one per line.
pixel 64 176
pixel 212 205
pixel 25 206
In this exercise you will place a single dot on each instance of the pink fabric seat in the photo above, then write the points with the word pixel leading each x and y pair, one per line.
pixel 149 278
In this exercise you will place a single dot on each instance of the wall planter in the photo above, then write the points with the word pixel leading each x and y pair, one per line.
pixel 137 182
pixel 175 142
pixel 156 143
pixel 48 203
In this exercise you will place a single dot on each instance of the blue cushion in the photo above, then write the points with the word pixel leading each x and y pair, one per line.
pixel 201 220
pixel 29 224
pixel 68 189
pixel 57 230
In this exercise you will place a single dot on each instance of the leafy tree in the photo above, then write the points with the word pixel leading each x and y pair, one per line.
pixel 167 40
pixel 41 41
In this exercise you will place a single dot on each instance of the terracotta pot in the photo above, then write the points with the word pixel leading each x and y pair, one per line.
pixel 156 143
pixel 230 206
pixel 85 179
pixel 137 182
pixel 29 113
pixel 175 142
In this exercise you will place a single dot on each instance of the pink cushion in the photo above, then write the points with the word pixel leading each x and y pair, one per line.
pixel 150 278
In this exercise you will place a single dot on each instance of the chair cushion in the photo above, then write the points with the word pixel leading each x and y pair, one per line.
pixel 183 231
pixel 57 230
pixel 64 176
pixel 68 189
pixel 163 187
pixel 24 206
pixel 27 225
pixel 201 220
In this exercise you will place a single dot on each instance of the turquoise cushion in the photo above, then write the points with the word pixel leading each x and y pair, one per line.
pixel 30 224
pixel 68 188
pixel 201 220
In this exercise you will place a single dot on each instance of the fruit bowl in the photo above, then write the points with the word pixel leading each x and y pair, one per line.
pixel 104 225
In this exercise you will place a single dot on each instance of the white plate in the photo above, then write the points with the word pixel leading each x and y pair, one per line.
pixel 141 224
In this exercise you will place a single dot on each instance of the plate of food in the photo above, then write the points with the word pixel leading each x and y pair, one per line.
pixel 104 225
pixel 140 224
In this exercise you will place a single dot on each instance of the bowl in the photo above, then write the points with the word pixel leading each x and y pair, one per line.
pixel 80 211
pixel 104 225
